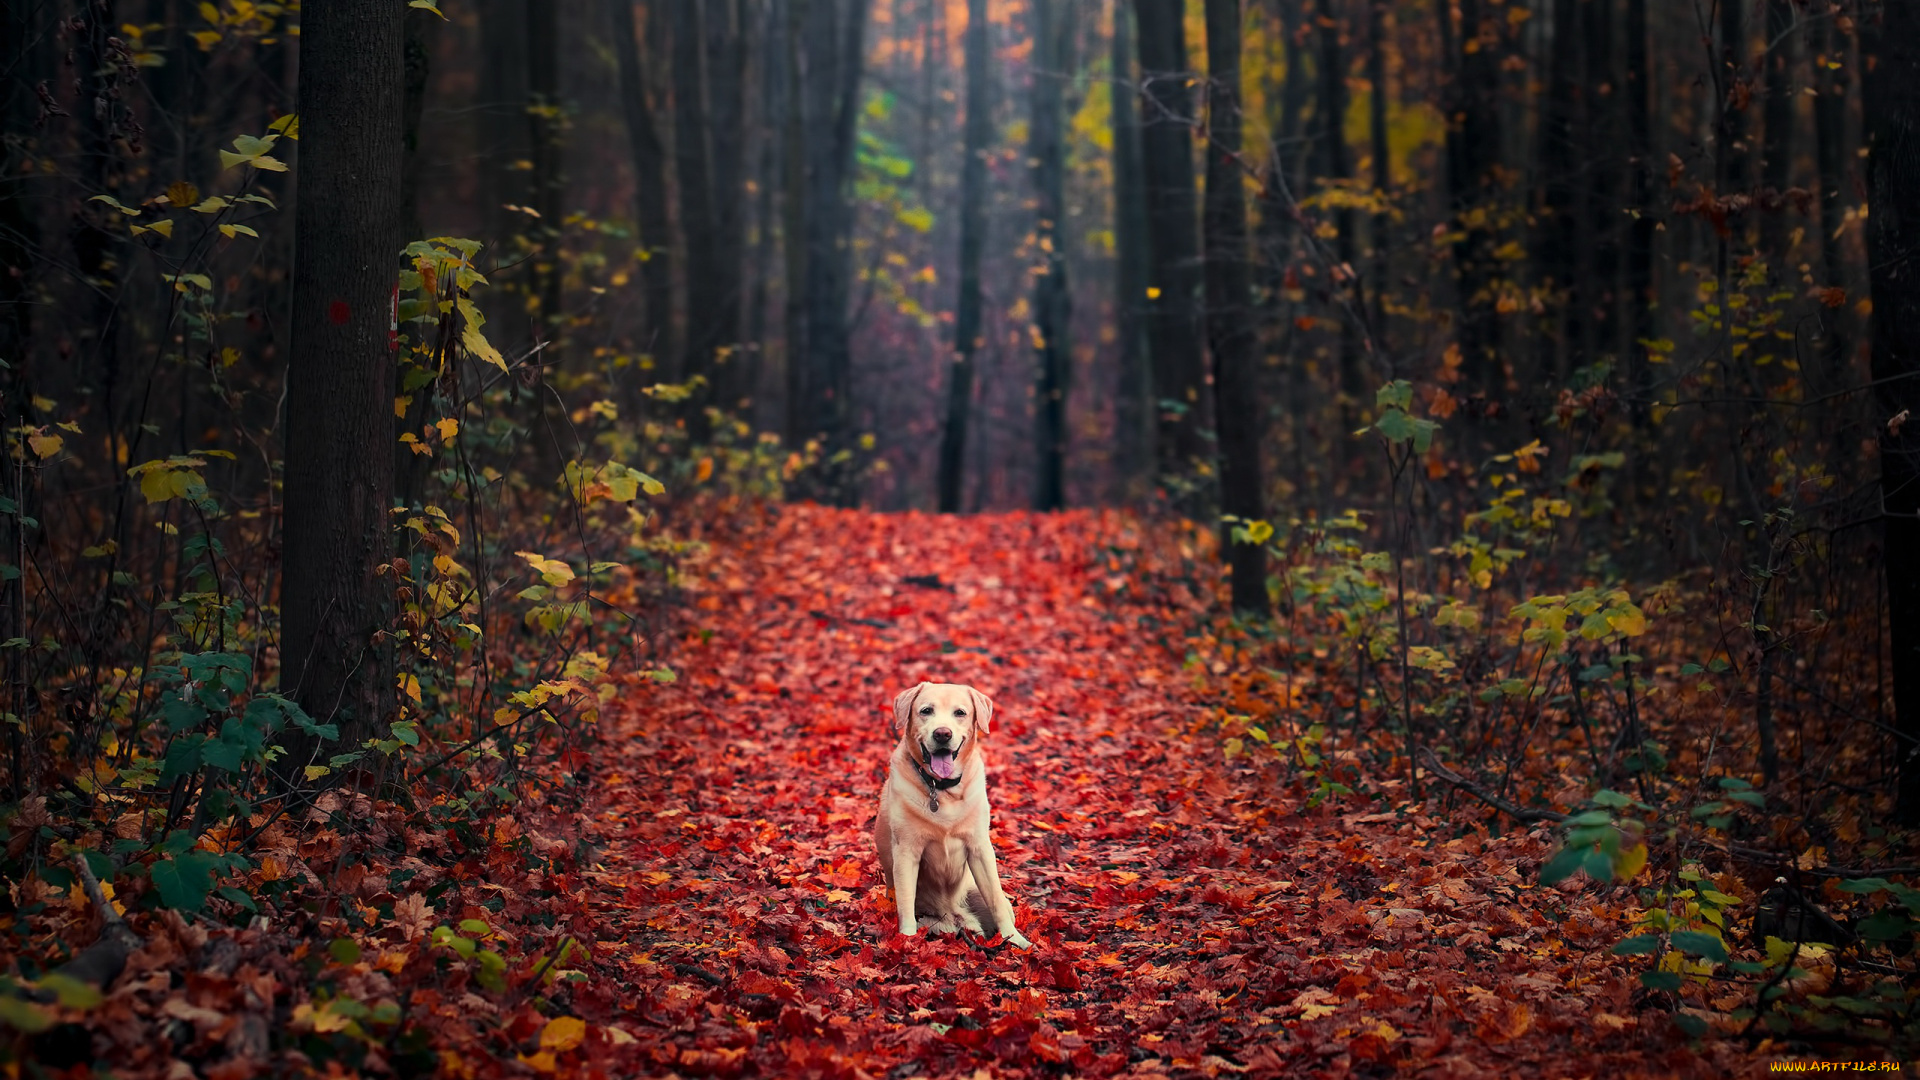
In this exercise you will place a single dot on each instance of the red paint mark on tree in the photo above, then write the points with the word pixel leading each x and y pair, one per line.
pixel 339 312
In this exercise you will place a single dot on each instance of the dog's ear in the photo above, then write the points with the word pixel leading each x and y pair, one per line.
pixel 982 710
pixel 903 706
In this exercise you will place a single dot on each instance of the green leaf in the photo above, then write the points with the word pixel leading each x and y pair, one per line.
pixel 1660 980
pixel 1396 394
pixel 1562 865
pixel 1689 1023
pixel 1590 818
pixel 24 1016
pixel 344 950
pixel 185 880
pixel 1639 945
pixel 72 993
pixel 1705 946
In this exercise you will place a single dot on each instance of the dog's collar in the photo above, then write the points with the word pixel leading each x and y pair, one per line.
pixel 933 782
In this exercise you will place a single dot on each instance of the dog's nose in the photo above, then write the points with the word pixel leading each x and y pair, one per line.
pixel 943 735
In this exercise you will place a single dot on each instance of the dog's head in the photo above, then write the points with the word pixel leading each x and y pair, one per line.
pixel 941 723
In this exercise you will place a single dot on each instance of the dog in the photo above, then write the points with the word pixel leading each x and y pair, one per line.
pixel 931 829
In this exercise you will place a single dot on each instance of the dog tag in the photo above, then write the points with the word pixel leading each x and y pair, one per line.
pixel 933 803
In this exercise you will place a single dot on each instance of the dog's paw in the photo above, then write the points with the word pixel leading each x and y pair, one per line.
pixel 941 927
pixel 1018 940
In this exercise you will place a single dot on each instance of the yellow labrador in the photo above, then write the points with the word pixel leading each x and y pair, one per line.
pixel 931 831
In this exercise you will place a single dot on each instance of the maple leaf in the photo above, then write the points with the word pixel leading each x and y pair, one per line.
pixel 412 917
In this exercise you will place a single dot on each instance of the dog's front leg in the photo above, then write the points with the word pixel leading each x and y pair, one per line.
pixel 906 882
pixel 986 875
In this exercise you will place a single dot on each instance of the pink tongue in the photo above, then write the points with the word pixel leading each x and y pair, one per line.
pixel 943 766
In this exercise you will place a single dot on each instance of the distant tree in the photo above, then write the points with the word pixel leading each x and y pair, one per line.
pixel 1053 34
pixel 1892 91
pixel 826 39
pixel 1336 165
pixel 1230 325
pixel 973 226
pixel 1133 398
pixel 1174 281
pixel 1469 81
pixel 650 182
pixel 709 64
pixel 340 377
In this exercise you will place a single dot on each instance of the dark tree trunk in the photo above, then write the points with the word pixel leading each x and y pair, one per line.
pixel 339 460
pixel 1382 153
pixel 650 183
pixel 1336 164
pixel 1639 274
pixel 1052 304
pixel 1892 94
pixel 1230 325
pixel 1735 91
pixel 1830 66
pixel 410 469
pixel 1556 243
pixel 1173 289
pixel 543 134
pixel 973 225
pixel 728 60
pixel 828 67
pixel 1599 266
pixel 503 143
pixel 1777 149
pixel 1133 404
pixel 1472 151
pixel 707 68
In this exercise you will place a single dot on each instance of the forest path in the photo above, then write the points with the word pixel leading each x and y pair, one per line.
pixel 1188 915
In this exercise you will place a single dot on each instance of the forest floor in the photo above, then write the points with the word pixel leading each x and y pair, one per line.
pixel 1190 915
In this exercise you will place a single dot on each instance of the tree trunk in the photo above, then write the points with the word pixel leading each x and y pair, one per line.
pixel 1382 153
pixel 1599 265
pixel 973 191
pixel 1892 92
pixel 413 383
pixel 707 69
pixel 1639 275
pixel 1133 404
pixel 339 457
pixel 502 138
pixel 1556 244
pixel 1230 336
pixel 543 134
pixel 1336 164
pixel 1472 151
pixel 1830 65
pixel 1777 150
pixel 650 183
pixel 1735 91
pixel 828 64
pixel 1174 317
pixel 1052 304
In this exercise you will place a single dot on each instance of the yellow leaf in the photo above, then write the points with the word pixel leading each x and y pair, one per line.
pixel 563 1033
pixel 207 39
pixel 315 772
pixel 164 227
pixel 705 471
pixel 400 406
pixel 181 193
pixel 838 896
pixel 1628 619
pixel 410 686
pixel 1153 292
pixel 155 486
pixel 477 345
pixel 449 427
pixel 45 446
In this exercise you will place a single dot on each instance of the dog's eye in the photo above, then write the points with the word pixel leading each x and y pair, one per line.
pixel 960 713
pixel 928 711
